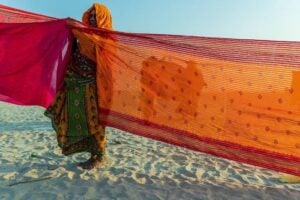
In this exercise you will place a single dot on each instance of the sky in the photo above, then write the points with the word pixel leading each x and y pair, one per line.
pixel 249 19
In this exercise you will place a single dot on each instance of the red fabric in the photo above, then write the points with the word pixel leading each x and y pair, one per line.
pixel 12 15
pixel 33 57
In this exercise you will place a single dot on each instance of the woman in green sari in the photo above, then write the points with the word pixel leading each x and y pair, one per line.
pixel 74 111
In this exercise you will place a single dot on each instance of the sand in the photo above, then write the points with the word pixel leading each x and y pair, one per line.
pixel 32 167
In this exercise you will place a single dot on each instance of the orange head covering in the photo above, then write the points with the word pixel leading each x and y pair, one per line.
pixel 103 16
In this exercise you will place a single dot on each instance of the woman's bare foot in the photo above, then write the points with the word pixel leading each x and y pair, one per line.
pixel 93 163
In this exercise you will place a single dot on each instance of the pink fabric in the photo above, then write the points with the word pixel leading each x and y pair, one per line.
pixel 33 57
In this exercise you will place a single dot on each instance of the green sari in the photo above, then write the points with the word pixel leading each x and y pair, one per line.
pixel 74 111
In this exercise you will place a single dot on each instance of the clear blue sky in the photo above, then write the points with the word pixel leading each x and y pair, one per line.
pixel 258 19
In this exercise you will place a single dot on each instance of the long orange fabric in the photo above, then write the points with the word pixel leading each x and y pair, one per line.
pixel 238 99
pixel 232 98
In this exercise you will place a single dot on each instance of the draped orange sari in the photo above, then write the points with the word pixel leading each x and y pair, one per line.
pixel 238 99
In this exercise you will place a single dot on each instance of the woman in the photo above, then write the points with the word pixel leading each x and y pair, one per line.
pixel 74 111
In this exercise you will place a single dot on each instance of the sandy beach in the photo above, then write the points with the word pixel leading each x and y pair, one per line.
pixel 32 167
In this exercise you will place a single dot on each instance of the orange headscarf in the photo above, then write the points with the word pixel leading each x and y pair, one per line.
pixel 103 16
pixel 88 41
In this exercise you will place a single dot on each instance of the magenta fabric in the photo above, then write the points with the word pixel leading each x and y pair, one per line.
pixel 33 57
